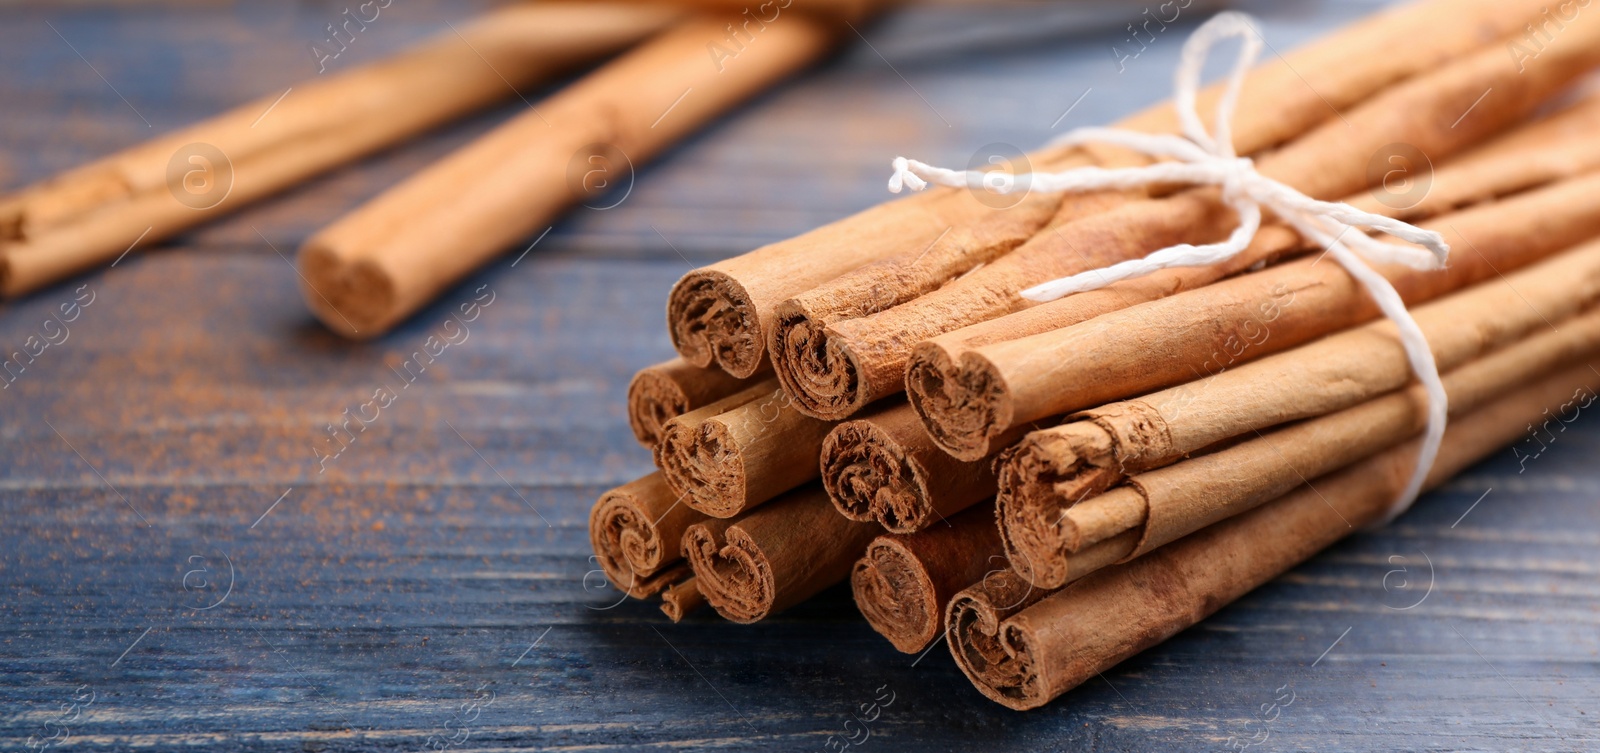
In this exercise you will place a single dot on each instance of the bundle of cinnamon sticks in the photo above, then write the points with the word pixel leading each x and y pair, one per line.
pixel 1056 486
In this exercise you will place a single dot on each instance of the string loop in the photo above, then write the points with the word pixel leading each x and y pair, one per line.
pixel 1200 158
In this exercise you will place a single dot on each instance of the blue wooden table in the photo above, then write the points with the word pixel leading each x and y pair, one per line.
pixel 177 571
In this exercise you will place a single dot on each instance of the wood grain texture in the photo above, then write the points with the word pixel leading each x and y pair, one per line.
pixel 441 559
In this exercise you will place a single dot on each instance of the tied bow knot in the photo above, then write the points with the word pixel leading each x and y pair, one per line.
pixel 1199 158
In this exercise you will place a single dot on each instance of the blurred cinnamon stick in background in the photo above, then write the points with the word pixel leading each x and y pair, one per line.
pixel 375 266
pixel 95 213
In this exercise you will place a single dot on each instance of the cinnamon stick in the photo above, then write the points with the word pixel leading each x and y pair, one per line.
pixel 947 390
pixel 775 556
pixel 741 451
pixel 682 599
pixel 834 370
pixel 719 314
pixel 1204 331
pixel 637 533
pixel 145 194
pixel 1024 656
pixel 1165 504
pixel 725 313
pixel 377 265
pixel 884 467
pixel 903 582
pixel 1550 149
pixel 660 393
pixel 1096 449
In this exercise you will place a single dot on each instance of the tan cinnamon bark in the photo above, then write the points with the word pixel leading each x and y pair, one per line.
pixel 637 532
pixel 740 451
pixel 775 556
pixel 836 370
pixel 682 599
pixel 943 386
pixel 718 314
pixel 1052 469
pixel 884 467
pixel 662 392
pixel 1165 504
pixel 756 15
pixel 1023 658
pixel 725 313
pixel 92 214
pixel 950 388
pixel 903 582
pixel 1203 332
pixel 1553 148
pixel 377 265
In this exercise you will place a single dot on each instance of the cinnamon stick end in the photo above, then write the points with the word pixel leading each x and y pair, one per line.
pixel 355 299
pixel 713 320
pixel 653 400
pixel 733 574
pixel 896 595
pixel 964 405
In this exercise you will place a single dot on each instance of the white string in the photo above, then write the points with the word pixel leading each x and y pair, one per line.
pixel 1198 158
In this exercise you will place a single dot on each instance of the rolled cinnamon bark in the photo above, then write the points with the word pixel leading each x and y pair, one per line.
pixel 1204 331
pixel 377 265
pixel 682 599
pixel 770 12
pixel 947 390
pixel 142 195
pixel 740 451
pixel 903 582
pixel 719 314
pixel 1547 150
pixel 884 467
pixel 835 370
pixel 1053 469
pixel 725 313
pixel 1165 504
pixel 774 557
pixel 637 533
pixel 662 392
pixel 1023 658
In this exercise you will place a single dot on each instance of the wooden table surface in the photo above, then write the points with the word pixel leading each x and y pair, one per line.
pixel 178 574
